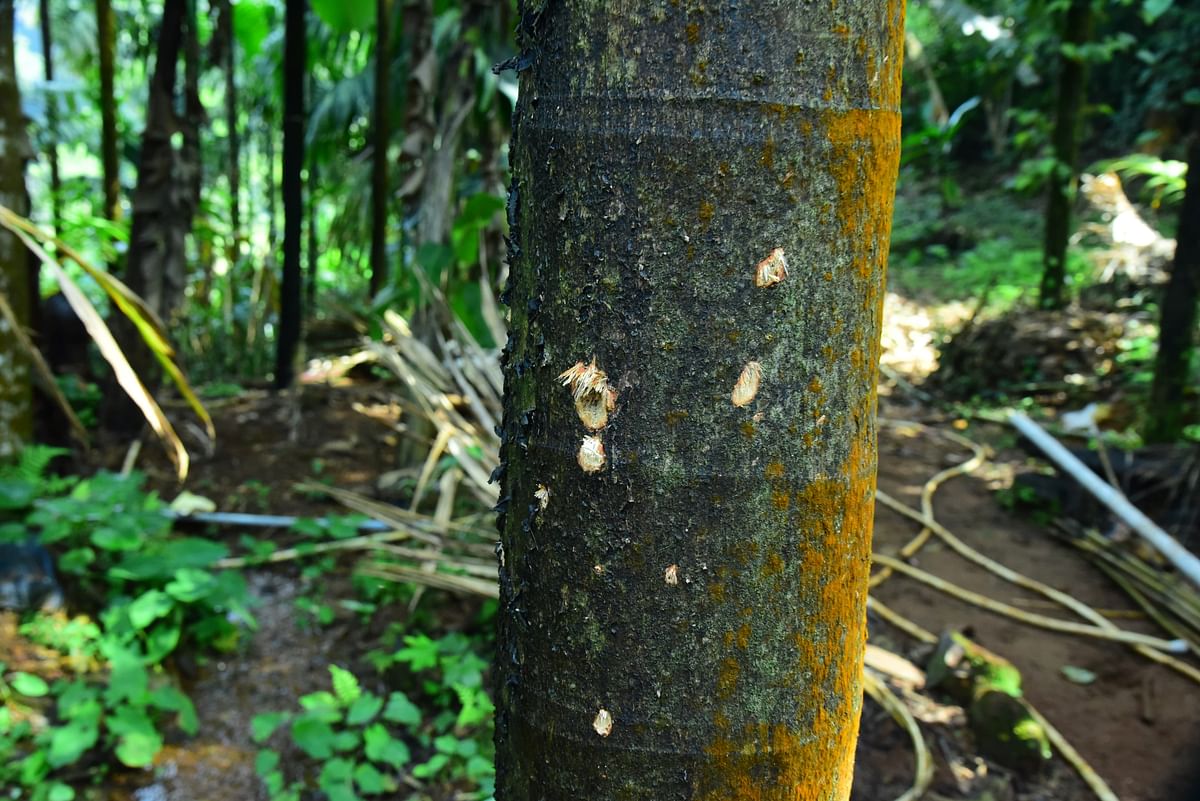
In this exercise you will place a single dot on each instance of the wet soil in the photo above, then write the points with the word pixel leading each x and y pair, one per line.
pixel 1136 724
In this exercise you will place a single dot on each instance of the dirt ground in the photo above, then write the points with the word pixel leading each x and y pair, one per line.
pixel 1137 723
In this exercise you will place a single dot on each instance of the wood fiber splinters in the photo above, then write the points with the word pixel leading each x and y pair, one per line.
pixel 591 455
pixel 772 269
pixel 594 397
pixel 603 723
pixel 747 384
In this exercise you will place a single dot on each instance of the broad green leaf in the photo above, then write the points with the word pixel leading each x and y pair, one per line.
pixel 323 705
pixel 363 709
pixel 68 743
pixel 251 24
pixel 58 791
pixel 138 749
pixel 308 527
pixel 174 700
pixel 266 761
pixel 428 770
pixel 111 538
pixel 370 781
pixel 149 607
pixel 419 652
pixel 162 640
pixel 380 746
pixel 161 561
pixel 345 685
pixel 344 16
pixel 79 700
pixel 17 494
pixel 313 736
pixel 127 679
pixel 190 585
pixel 264 725
pixel 401 710
pixel 1153 9
pixel 347 740
pixel 29 684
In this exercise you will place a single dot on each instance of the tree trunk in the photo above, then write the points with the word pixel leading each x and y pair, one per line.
pixel 295 67
pixel 379 160
pixel 106 35
pixel 1072 91
pixel 164 201
pixel 1177 321
pixel 51 116
pixel 310 278
pixel 234 171
pixel 16 392
pixel 701 206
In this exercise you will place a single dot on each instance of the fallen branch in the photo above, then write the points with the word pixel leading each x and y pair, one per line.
pixel 1054 624
pixel 923 771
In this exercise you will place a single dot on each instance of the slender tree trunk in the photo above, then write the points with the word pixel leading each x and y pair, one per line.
pixel 295 67
pixel 310 278
pixel 107 42
pixel 51 115
pixel 164 202
pixel 16 392
pixel 701 206
pixel 234 155
pixel 1072 91
pixel 269 155
pixel 1178 314
pixel 379 161
pixel 161 208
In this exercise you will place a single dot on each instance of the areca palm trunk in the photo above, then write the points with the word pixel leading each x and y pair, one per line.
pixel 700 210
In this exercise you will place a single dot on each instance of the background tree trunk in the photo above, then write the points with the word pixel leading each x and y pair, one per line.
pixel 106 36
pixel 16 393
pixel 295 67
pixel 379 160
pixel 685 543
pixel 1177 316
pixel 51 115
pixel 164 200
pixel 1072 91
pixel 234 167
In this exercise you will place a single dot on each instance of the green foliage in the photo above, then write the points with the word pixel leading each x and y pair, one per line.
pixel 1161 182
pixel 154 593
pixel 360 743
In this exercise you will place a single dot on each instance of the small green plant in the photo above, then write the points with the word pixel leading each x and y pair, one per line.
pixel 361 743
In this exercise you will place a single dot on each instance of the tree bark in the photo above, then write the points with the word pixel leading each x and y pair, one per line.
pixel 1177 317
pixel 234 170
pixel 107 42
pixel 1072 91
pixel 310 277
pixel 379 160
pixel 701 204
pixel 164 201
pixel 16 392
pixel 163 198
pixel 51 115
pixel 295 68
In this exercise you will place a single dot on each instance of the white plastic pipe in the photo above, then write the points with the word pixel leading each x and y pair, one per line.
pixel 1183 559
